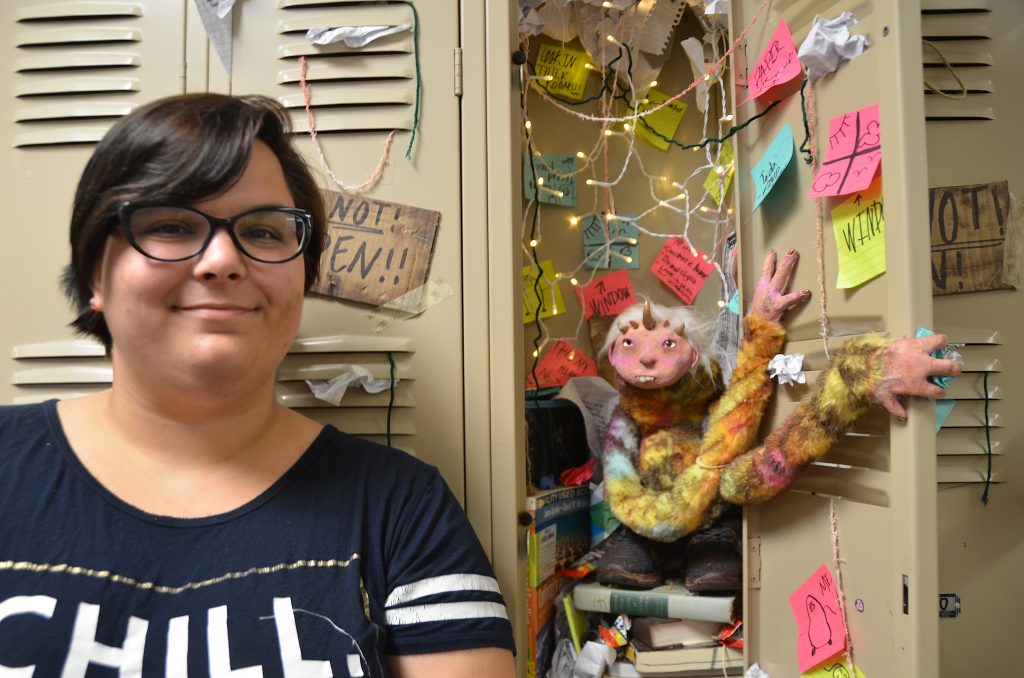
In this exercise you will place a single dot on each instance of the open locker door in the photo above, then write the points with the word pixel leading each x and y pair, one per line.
pixel 881 477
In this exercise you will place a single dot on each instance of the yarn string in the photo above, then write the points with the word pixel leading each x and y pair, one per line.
pixel 837 563
pixel 819 220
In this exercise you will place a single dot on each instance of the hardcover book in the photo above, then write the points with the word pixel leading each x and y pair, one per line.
pixel 669 600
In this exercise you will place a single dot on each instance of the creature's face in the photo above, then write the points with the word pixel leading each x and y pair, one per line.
pixel 651 358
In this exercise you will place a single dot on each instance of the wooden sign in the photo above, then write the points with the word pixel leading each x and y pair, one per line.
pixel 377 250
pixel 968 231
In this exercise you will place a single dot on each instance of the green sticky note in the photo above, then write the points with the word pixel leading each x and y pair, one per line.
pixel 717 184
pixel 614 248
pixel 772 164
pixel 661 125
pixel 859 227
pixel 561 72
pixel 550 302
pixel 556 175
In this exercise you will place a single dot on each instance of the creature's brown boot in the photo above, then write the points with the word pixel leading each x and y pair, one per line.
pixel 715 558
pixel 630 560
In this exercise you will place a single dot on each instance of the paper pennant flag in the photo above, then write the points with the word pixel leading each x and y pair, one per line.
pixel 618 249
pixel 608 295
pixel 550 297
pixel 821 633
pixel 859 226
pixel 853 155
pixel 772 164
pixel 559 364
pixel 777 65
pixel 556 174
pixel 661 125
pixel 567 69
pixel 684 270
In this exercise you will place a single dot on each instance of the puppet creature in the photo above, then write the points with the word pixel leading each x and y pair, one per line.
pixel 679 451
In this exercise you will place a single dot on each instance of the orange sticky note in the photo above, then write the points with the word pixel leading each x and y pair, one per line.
pixel 560 363
pixel 821 633
pixel 853 155
pixel 683 269
pixel 608 295
pixel 777 65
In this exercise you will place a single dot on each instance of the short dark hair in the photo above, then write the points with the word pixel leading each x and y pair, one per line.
pixel 180 149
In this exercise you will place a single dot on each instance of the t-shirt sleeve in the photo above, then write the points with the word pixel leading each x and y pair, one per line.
pixel 442 592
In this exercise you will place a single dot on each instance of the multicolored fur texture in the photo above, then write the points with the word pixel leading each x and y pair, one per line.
pixel 664 478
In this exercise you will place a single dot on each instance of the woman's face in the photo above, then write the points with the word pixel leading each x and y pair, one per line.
pixel 218 315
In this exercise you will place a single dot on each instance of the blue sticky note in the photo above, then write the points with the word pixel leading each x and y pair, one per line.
pixel 771 165
pixel 557 178
pixel 619 251
pixel 734 303
pixel 942 409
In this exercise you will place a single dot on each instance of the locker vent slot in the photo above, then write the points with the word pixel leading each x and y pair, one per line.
pixel 351 89
pixel 76 70
pixel 961 32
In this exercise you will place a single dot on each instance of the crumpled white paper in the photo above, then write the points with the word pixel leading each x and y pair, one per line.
pixel 354 36
pixel 333 390
pixel 593 660
pixel 755 671
pixel 694 49
pixel 788 369
pixel 829 45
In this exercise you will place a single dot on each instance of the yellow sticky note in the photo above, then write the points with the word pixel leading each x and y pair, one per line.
pixel 550 296
pixel 663 122
pixel 834 668
pixel 859 227
pixel 717 185
pixel 566 69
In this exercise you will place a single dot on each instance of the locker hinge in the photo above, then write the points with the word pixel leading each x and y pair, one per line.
pixel 458 71
pixel 754 562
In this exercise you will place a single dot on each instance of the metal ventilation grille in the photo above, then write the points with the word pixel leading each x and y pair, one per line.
pixel 961 31
pixel 67 369
pixel 76 70
pixel 352 89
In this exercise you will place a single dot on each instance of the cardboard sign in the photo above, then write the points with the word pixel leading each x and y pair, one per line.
pixel 663 123
pixel 772 164
pixel 559 364
pixel 717 185
pixel 777 65
pixel 567 68
pixel 968 228
pixel 551 303
pixel 556 175
pixel 684 270
pixel 377 250
pixel 853 155
pixel 821 633
pixel 617 249
pixel 859 225
pixel 608 295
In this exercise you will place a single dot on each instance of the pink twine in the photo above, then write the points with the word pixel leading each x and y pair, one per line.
pixel 819 221
pixel 381 162
pixel 837 564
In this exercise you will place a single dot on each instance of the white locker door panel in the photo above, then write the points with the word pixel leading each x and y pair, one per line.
pixel 72 68
pixel 358 97
pixel 882 474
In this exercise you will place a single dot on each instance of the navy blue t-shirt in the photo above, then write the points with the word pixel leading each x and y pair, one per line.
pixel 357 552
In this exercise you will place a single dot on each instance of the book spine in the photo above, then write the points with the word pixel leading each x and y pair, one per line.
pixel 596 598
pixel 539 501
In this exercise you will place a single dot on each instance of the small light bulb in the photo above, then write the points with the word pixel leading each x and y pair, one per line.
pixel 549 78
pixel 721 304
pixel 609 217
pixel 629 260
pixel 631 241
pixel 554 310
pixel 695 149
pixel 654 83
pixel 540 181
pixel 664 178
pixel 589 66
pixel 607 5
pixel 572 355
pixel 705 208
pixel 536 353
pixel 693 252
pixel 559 194
pixel 608 132
pixel 729 210
pixel 533 243
pixel 581 155
pixel 528 124
pixel 719 171
pixel 645 101
pixel 574 281
pixel 611 39
pixel 663 203
pixel 625 126
pixel 590 182
pixel 573 221
pixel 727 117
pixel 707 77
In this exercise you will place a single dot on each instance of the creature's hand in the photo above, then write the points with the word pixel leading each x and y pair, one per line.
pixel 908 364
pixel 770 298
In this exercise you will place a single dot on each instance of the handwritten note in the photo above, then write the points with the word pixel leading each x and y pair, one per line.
pixel 834 669
pixel 968 229
pixel 684 270
pixel 377 250
pixel 821 632
pixel 853 155
pixel 556 176
pixel 661 126
pixel 550 297
pixel 859 225
pixel 717 184
pixel 777 65
pixel 567 68
pixel 616 249
pixel 771 165
pixel 559 364
pixel 608 295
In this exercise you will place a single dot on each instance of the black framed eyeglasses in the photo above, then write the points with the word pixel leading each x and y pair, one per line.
pixel 272 235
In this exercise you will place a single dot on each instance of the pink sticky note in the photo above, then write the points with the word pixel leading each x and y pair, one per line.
pixel 853 155
pixel 608 295
pixel 777 65
pixel 684 270
pixel 560 363
pixel 821 632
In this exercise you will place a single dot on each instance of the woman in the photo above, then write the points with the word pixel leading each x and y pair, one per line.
pixel 182 522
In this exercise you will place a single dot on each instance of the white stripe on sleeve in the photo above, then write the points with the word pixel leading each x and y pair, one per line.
pixel 442 584
pixel 416 614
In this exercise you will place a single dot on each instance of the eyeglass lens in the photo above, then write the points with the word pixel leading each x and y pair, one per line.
pixel 172 233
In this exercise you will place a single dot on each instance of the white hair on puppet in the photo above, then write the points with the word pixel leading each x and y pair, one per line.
pixel 697 329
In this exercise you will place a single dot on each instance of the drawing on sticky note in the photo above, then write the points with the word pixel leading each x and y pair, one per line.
pixel 853 155
pixel 821 632
pixel 777 65
pixel 772 164
pixel 859 226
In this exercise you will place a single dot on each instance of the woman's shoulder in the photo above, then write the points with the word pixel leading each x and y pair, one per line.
pixel 20 421
pixel 359 455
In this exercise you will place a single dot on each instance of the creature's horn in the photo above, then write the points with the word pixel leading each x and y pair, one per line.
pixel 648 318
